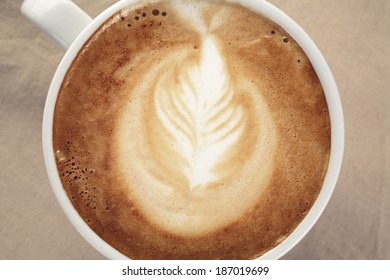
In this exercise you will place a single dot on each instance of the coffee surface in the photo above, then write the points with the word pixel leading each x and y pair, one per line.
pixel 191 130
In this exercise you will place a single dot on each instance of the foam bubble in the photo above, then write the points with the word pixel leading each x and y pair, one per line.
pixel 60 155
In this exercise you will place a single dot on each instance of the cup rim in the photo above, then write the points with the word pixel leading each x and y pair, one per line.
pixel 321 68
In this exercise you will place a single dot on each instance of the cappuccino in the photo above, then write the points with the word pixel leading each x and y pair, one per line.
pixel 191 129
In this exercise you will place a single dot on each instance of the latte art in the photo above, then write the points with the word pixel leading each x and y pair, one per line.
pixel 199 113
pixel 191 129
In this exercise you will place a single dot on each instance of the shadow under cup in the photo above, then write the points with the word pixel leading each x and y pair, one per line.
pixel 324 75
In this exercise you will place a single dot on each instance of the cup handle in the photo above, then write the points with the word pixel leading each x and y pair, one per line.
pixel 62 20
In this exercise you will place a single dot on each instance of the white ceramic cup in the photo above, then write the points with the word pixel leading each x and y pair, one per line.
pixel 71 28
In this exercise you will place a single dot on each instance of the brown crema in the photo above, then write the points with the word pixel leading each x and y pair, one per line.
pixel 191 130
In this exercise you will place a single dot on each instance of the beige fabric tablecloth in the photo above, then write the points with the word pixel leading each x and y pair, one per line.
pixel 354 38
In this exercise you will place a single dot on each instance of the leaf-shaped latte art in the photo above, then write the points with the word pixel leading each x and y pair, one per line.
pixel 199 113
